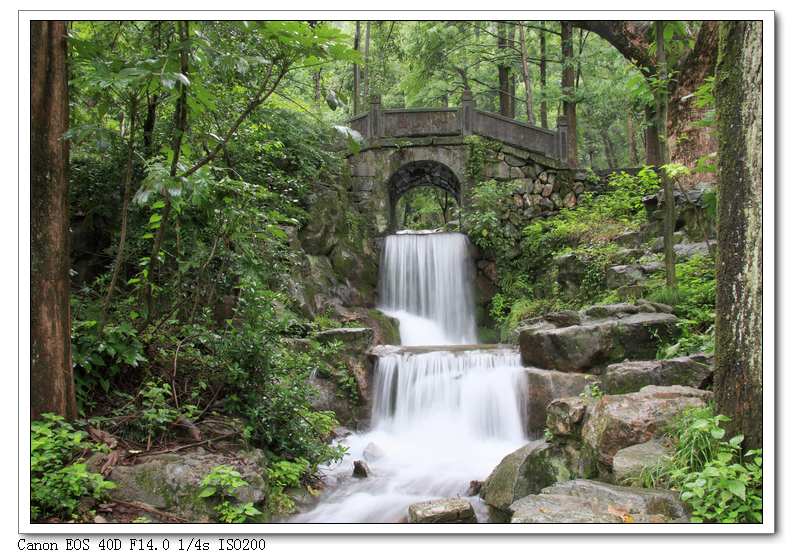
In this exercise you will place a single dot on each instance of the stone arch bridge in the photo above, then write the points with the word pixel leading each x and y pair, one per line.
pixel 408 148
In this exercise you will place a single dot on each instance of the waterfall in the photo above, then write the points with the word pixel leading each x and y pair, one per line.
pixel 426 283
pixel 445 410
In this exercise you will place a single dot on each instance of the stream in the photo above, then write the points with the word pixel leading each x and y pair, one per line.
pixel 445 409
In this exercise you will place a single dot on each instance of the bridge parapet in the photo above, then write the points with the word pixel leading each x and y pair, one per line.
pixel 463 120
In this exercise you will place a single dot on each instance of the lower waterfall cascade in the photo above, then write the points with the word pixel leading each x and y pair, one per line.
pixel 445 410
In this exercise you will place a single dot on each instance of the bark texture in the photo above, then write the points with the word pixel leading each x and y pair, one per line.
pixel 568 90
pixel 738 377
pixel 51 377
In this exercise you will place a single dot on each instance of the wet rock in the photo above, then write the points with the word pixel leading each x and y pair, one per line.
pixel 581 347
pixel 474 488
pixel 445 510
pixel 631 461
pixel 360 469
pixel 618 421
pixel 544 386
pixel 372 452
pixel 565 416
pixel 692 371
pixel 529 469
pixel 585 501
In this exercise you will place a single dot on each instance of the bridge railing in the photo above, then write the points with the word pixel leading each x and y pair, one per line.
pixel 463 120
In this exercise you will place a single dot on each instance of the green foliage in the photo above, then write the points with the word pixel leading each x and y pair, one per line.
pixel 484 222
pixel 59 479
pixel 282 475
pixel 716 480
pixel 587 231
pixel 694 302
pixel 222 482
pixel 100 358
pixel 592 391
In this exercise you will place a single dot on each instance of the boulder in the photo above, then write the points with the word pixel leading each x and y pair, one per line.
pixel 570 271
pixel 529 469
pixel 353 339
pixel 445 510
pixel 688 250
pixel 624 275
pixel 629 462
pixel 372 452
pixel 586 501
pixel 618 421
pixel 602 311
pixel 557 508
pixel 360 469
pixel 692 371
pixel 629 239
pixel 544 386
pixel 565 416
pixel 329 396
pixel 597 342
pixel 172 481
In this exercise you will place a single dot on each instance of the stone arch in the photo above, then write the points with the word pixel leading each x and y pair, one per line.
pixel 421 173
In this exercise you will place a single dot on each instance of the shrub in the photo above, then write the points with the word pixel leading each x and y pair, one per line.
pixel 58 477
pixel 221 483
pixel 717 481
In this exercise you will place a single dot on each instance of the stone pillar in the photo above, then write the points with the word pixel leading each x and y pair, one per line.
pixel 466 112
pixel 375 117
pixel 561 139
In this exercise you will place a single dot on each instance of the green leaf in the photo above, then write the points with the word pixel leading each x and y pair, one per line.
pixel 737 488
pixel 206 492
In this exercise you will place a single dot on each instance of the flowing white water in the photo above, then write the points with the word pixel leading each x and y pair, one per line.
pixel 441 418
pixel 429 277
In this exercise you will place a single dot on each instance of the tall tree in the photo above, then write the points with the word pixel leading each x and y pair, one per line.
pixel 738 378
pixel 543 82
pixel 634 40
pixel 367 69
pixel 51 377
pixel 661 107
pixel 568 92
pixel 356 72
pixel 505 103
pixel 524 63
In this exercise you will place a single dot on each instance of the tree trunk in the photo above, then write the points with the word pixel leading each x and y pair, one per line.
pixel 356 72
pixel 738 379
pixel 179 130
pixel 524 55
pixel 633 152
pixel 504 98
pixel 608 145
pixel 366 73
pixel 127 194
pixel 568 92
pixel 51 374
pixel 661 102
pixel 543 83
pixel 651 146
